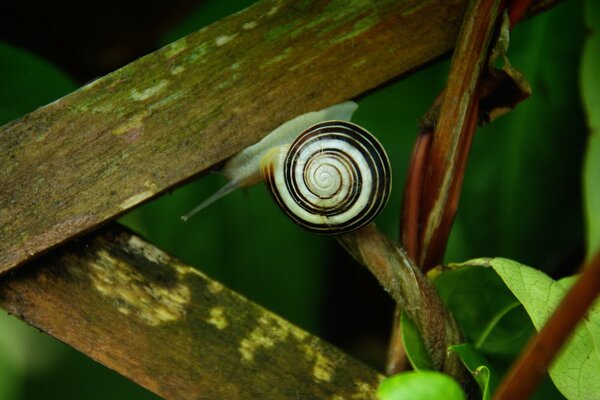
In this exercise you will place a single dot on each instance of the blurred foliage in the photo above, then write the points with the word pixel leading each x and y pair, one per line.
pixel 521 200
pixel 590 88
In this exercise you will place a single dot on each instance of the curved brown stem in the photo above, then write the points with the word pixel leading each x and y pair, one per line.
pixel 411 289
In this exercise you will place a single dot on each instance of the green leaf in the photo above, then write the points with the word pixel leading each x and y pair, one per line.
pixel 479 368
pixel 414 345
pixel 492 319
pixel 590 88
pixel 576 370
pixel 420 385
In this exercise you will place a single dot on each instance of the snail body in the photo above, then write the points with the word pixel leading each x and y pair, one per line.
pixel 332 178
pixel 243 169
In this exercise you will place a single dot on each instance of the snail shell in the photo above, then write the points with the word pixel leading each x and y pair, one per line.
pixel 333 178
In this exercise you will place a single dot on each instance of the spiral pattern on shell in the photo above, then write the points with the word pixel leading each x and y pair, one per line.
pixel 334 178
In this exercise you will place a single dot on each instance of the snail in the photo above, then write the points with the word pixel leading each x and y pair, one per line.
pixel 332 178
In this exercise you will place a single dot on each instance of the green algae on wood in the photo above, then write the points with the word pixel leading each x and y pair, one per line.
pixel 133 134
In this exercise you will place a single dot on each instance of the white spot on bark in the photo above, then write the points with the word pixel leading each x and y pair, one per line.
pixel 176 70
pixel 149 252
pixel 364 391
pixel 175 48
pixel 102 108
pixel 249 25
pixel 134 125
pixel 149 92
pixel 135 199
pixel 224 39
pixel 272 11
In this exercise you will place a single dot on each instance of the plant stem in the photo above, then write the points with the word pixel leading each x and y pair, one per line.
pixel 455 128
pixel 411 289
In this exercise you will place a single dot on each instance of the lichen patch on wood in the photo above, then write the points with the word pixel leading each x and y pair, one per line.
pixel 132 294
pixel 249 25
pixel 136 199
pixel 134 126
pixel 170 328
pixel 150 253
pixel 217 318
pixel 215 287
pixel 265 335
pixel 126 118
pixel 171 50
pixel 177 69
pixel 224 39
pixel 141 95
pixel 323 369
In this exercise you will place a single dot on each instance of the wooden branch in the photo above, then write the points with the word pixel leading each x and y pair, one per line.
pixel 163 119
pixel 173 330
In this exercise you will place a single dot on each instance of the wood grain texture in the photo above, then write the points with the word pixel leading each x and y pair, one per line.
pixel 171 329
pixel 85 159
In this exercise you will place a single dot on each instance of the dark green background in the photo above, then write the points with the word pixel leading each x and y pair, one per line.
pixel 521 200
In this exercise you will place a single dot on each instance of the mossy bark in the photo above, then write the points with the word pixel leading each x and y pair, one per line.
pixel 173 330
pixel 87 158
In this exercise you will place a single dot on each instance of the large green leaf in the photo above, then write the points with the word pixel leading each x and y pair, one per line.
pixel 590 88
pixel 420 385
pixel 576 370
pixel 491 319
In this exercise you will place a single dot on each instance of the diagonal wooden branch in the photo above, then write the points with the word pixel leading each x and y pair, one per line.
pixel 163 119
pixel 173 330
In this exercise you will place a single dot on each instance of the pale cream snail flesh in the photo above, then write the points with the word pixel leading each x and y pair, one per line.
pixel 243 169
pixel 332 178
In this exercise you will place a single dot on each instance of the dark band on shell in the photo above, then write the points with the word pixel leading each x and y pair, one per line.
pixel 334 178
